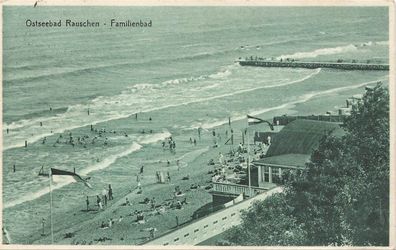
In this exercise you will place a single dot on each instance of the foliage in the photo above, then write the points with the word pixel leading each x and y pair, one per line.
pixel 341 198
pixel 267 223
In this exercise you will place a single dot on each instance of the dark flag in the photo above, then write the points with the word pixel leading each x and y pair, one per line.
pixel 255 120
pixel 78 178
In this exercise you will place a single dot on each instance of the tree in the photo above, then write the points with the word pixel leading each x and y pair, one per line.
pixel 341 197
pixel 267 223
pixel 368 212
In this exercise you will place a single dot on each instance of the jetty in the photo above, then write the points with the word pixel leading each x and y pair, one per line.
pixel 313 65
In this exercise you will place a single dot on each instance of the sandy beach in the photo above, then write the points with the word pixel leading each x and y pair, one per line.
pixel 74 225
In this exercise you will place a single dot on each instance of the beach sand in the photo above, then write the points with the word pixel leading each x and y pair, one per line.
pixel 83 227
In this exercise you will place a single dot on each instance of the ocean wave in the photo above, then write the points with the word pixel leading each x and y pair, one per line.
pixel 30 118
pixel 319 52
pixel 61 181
pixel 382 43
pixel 126 104
pixel 302 99
pixel 94 68
pixel 154 138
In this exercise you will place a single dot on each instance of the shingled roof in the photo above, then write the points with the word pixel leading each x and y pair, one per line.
pixel 301 137
pixel 292 160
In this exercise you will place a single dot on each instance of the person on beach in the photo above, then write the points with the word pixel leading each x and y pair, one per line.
pixel 13 168
pixel 221 159
pixel 141 169
pixel 137 177
pixel 110 192
pixel 43 226
pixel 87 201
pixel 195 142
pixel 153 203
pixel 191 141
pixel 152 232
pixel 140 217
pixel 8 130
pixel 157 175
pixel 214 132
pixel 99 202
pixel 104 196
pixel 240 148
pixel 178 164
pixel 168 176
pixel 199 132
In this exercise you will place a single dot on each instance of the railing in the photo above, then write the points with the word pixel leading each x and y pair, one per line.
pixel 230 188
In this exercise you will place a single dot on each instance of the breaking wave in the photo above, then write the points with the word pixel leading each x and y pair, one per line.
pixel 126 104
pixel 302 99
pixel 61 181
pixel 319 52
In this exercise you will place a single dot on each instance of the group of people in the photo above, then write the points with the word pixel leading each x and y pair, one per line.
pixel 171 144
pixel 84 140
pixel 193 141
pixel 102 199
pixel 161 178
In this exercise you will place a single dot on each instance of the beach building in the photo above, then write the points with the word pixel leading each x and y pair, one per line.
pixel 290 149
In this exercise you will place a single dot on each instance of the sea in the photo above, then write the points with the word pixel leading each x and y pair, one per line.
pixel 181 73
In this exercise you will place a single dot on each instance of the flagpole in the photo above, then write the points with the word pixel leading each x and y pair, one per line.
pixel 248 151
pixel 52 224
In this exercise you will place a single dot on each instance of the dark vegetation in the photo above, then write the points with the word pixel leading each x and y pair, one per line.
pixel 341 198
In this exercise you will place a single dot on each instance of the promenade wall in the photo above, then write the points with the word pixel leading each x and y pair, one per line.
pixel 211 225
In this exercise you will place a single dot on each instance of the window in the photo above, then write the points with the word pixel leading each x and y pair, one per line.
pixel 266 174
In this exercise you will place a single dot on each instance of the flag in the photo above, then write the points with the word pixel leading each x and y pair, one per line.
pixel 55 171
pixel 255 120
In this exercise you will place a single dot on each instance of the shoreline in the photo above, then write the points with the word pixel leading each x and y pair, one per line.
pixel 81 222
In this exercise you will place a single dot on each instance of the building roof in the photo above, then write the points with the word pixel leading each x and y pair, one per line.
pixel 301 137
pixel 296 160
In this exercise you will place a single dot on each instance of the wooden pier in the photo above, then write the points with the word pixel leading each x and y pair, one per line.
pixel 314 65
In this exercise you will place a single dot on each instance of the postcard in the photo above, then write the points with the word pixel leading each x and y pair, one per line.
pixel 209 124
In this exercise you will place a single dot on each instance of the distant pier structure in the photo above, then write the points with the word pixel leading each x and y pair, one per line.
pixel 313 65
